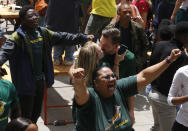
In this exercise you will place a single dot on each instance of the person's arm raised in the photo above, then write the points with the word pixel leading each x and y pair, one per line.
pixel 68 38
pixel 80 89
pixel 177 6
pixel 147 75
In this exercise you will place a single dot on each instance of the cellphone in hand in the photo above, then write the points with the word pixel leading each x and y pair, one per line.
pixel 122 49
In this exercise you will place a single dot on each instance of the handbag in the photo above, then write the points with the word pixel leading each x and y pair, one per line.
pixel 41 7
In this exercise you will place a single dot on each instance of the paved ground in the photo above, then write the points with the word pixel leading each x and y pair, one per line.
pixel 64 95
pixel 143 114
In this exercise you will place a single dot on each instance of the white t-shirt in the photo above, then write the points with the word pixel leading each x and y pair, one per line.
pixel 179 87
pixel 184 5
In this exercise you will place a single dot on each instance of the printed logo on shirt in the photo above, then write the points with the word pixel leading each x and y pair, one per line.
pixel 2 107
pixel 36 40
pixel 115 118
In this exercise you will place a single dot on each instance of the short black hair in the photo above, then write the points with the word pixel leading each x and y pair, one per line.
pixel 166 29
pixel 18 124
pixel 165 22
pixel 24 10
pixel 95 72
pixel 125 5
pixel 181 30
pixel 166 32
pixel 112 33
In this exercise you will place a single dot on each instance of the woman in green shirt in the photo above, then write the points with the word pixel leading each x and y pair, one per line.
pixel 101 107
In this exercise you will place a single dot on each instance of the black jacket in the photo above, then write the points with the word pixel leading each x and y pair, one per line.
pixel 160 51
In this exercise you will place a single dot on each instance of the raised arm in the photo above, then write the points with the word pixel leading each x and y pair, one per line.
pixel 177 6
pixel 138 16
pixel 81 93
pixel 147 75
pixel 70 39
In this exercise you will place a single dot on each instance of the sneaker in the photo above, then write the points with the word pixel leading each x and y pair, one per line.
pixel 57 62
pixel 68 62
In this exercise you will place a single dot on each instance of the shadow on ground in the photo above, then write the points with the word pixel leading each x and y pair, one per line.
pixel 141 102
pixel 62 81
pixel 59 96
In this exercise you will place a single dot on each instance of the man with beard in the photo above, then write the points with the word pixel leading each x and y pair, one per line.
pixel 110 44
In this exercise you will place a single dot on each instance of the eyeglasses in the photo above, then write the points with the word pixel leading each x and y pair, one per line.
pixel 107 77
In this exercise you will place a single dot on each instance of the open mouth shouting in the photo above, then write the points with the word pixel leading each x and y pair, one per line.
pixel 111 86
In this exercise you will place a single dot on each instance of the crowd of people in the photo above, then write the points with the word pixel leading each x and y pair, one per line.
pixel 112 65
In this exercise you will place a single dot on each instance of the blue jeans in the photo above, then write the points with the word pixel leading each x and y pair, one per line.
pixel 59 50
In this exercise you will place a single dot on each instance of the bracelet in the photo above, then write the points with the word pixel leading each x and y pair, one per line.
pixel 167 60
